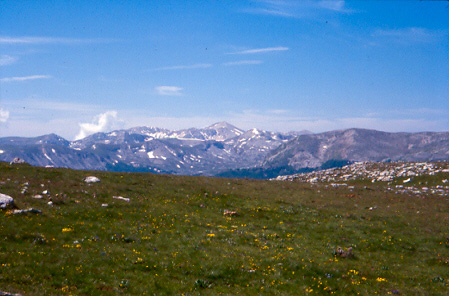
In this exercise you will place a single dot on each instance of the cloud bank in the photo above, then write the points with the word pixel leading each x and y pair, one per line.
pixel 101 123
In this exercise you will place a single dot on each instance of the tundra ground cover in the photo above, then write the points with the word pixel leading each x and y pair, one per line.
pixel 195 235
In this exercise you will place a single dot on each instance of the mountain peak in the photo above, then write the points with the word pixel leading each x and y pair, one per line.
pixel 221 125
pixel 223 131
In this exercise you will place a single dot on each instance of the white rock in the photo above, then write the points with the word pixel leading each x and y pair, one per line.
pixel 121 198
pixel 407 180
pixel 5 201
pixel 37 196
pixel 91 179
pixel 17 160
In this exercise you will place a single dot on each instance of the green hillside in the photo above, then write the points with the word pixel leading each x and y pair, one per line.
pixel 195 235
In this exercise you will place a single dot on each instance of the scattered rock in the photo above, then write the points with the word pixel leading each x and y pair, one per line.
pixel 380 172
pixel 17 160
pixel 104 205
pixel 91 179
pixel 121 198
pixel 6 201
pixel 37 196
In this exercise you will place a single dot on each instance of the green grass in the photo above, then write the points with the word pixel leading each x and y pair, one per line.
pixel 173 237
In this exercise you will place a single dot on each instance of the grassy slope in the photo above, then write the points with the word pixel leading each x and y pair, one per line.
pixel 172 237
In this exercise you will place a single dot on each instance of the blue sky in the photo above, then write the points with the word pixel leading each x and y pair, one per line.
pixel 78 67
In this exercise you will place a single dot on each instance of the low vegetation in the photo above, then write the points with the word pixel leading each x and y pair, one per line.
pixel 196 235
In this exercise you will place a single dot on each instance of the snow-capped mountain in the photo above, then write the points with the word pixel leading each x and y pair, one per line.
pixel 208 151
pixel 223 149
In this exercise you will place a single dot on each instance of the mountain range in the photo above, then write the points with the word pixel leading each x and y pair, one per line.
pixel 224 150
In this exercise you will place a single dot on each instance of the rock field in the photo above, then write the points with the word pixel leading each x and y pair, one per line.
pixel 400 173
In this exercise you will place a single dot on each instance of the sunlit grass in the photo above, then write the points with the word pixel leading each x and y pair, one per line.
pixel 176 236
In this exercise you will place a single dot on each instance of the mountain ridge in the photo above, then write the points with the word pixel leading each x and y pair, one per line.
pixel 225 150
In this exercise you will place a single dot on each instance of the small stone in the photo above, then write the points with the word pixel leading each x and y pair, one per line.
pixel 230 213
pixel 121 198
pixel 37 196
pixel 104 205
pixel 344 253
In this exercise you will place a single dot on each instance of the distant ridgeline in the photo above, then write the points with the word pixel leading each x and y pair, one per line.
pixel 224 150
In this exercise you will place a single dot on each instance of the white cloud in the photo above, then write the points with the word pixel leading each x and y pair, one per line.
pixel 4 115
pixel 410 35
pixel 296 9
pixel 169 90
pixel 261 50
pixel 47 40
pixel 183 67
pixel 24 78
pixel 101 123
pixel 245 62
pixel 335 5
pixel 7 60
pixel 279 8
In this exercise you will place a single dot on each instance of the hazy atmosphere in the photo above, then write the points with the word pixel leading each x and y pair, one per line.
pixel 78 67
